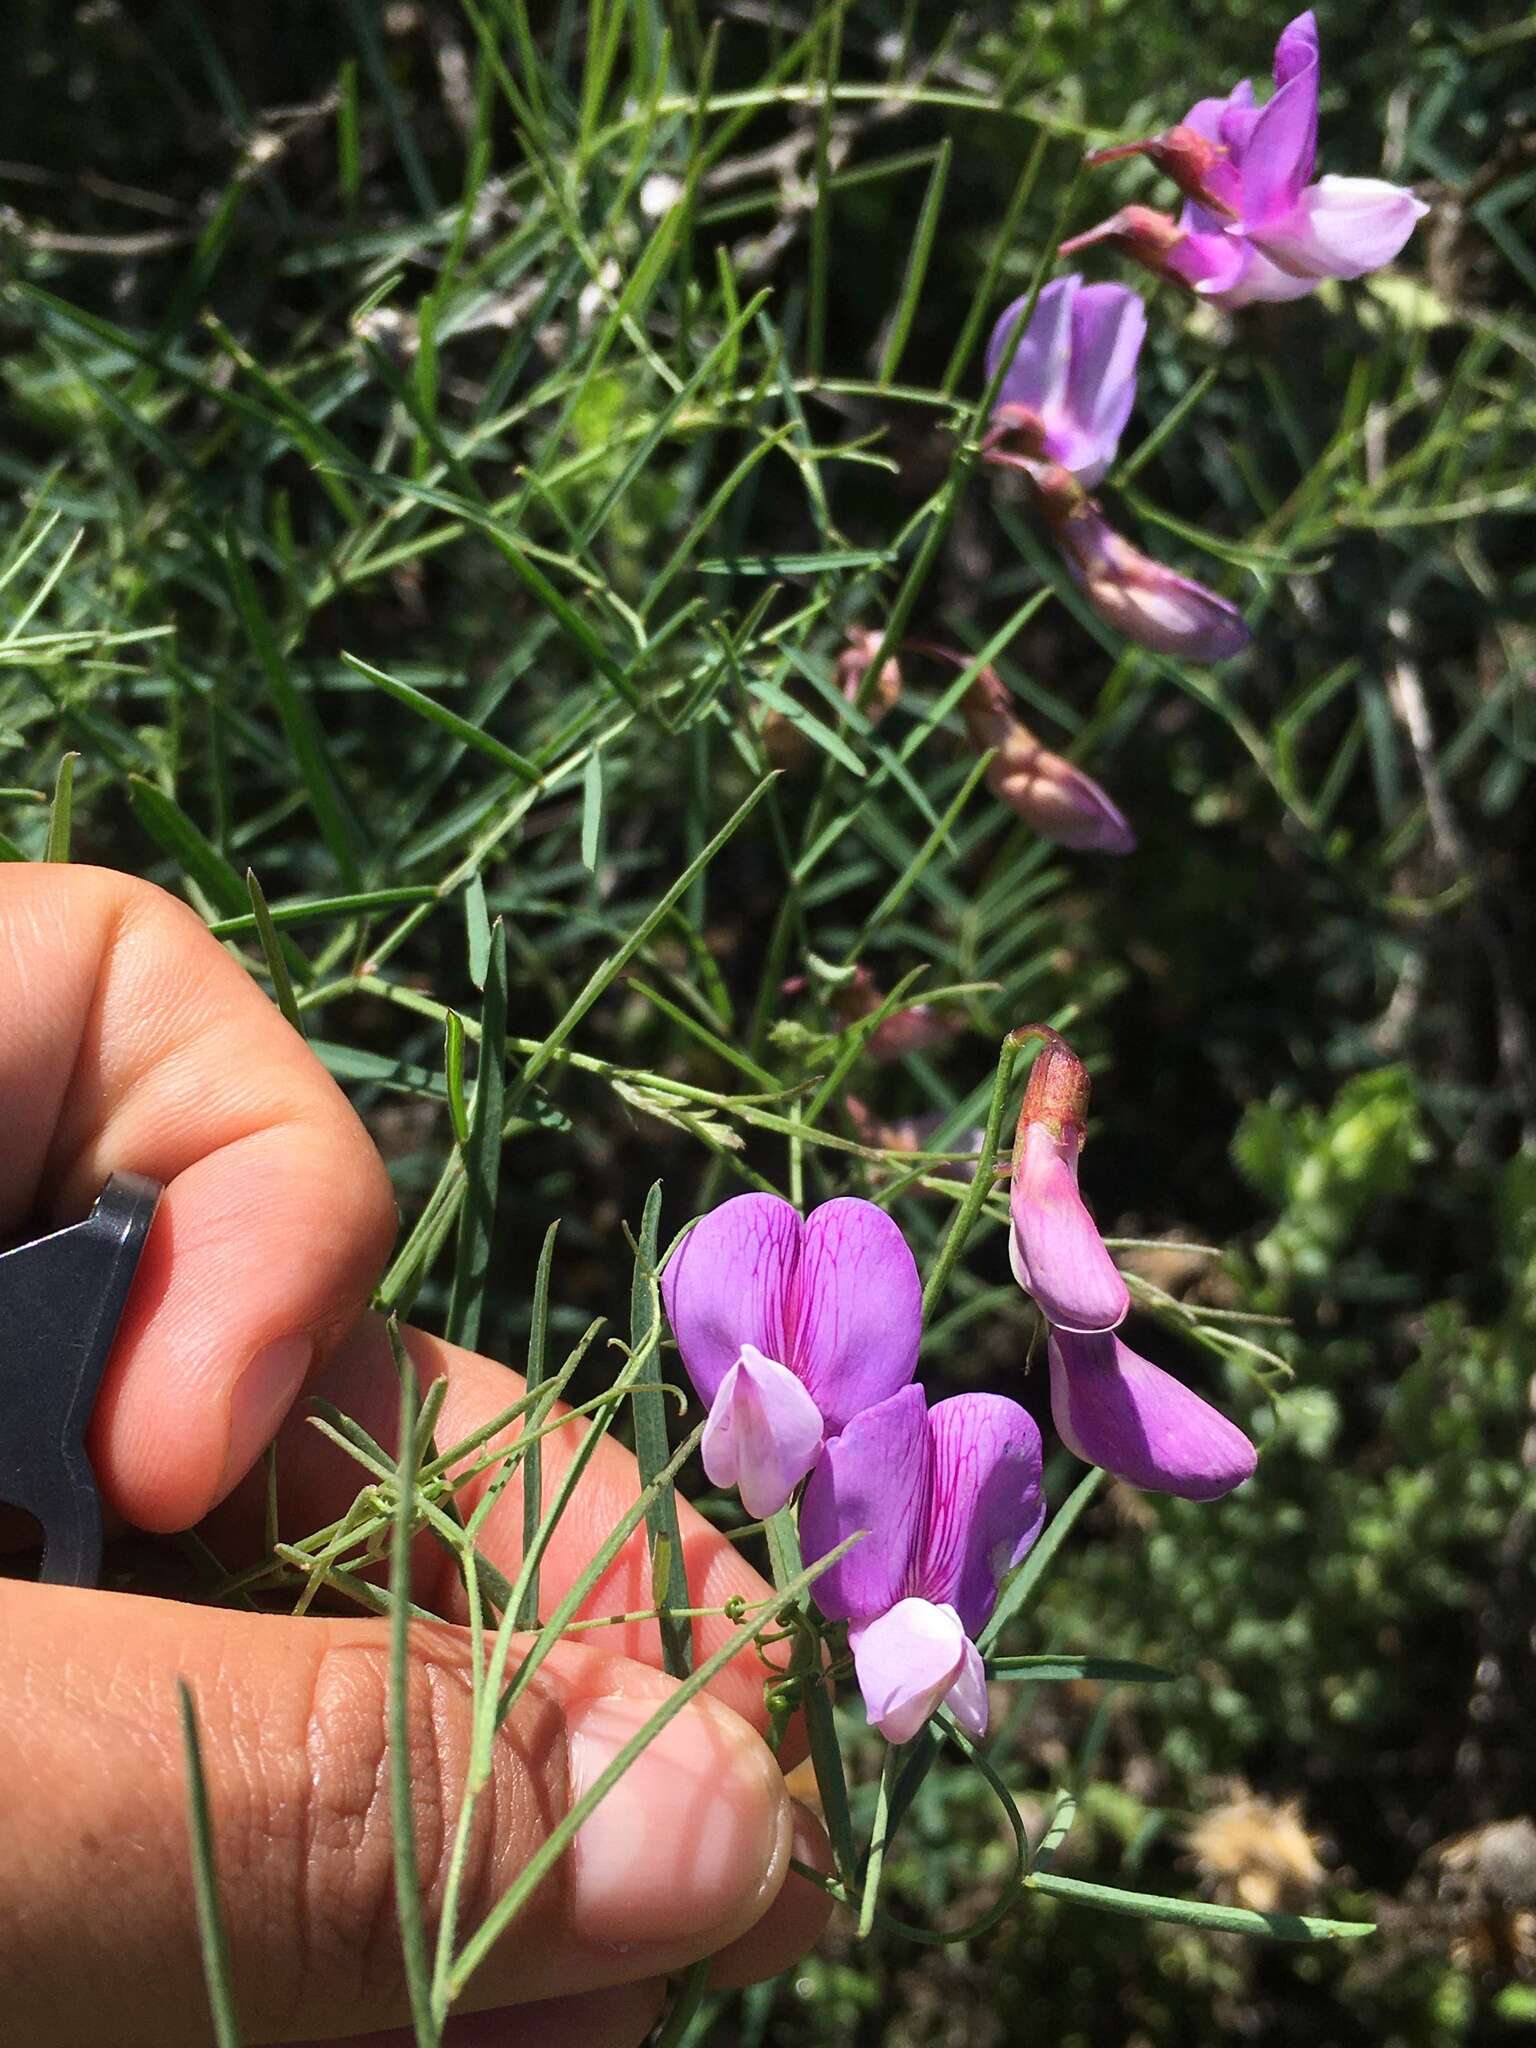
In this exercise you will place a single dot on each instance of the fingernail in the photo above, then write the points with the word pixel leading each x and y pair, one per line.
pixel 262 1396
pixel 693 1838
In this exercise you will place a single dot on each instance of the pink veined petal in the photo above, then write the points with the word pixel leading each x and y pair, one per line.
pixel 1116 1409
pixel 1054 1246
pixel 967 1697
pixel 1276 155
pixel 858 1309
pixel 1343 227
pixel 763 1432
pixel 728 1284
pixel 1109 324
pixel 874 1477
pixel 906 1662
pixel 985 1503
pixel 1037 376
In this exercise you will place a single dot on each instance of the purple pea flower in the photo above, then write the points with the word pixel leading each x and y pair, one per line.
pixel 789 1328
pixel 1072 382
pixel 1054 1246
pixel 948 1499
pixel 1256 226
pixel 1062 406
pixel 1116 1409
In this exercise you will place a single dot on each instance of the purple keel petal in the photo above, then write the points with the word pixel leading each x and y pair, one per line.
pixel 1109 324
pixel 905 1664
pixel 728 1285
pixel 1037 376
pixel 1343 227
pixel 1120 1411
pixel 874 1477
pixel 985 1504
pixel 858 1309
pixel 1055 1249
pixel 967 1697
pixel 763 1432
pixel 1256 281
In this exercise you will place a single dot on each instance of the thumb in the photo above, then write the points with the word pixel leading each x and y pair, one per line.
pixel 684 1855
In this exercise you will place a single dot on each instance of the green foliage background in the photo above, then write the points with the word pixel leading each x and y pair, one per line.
pixel 408 496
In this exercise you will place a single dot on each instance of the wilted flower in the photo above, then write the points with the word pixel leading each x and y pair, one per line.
pixel 789 747
pixel 916 1028
pixel 916 1134
pixel 789 1328
pixel 1054 1245
pixel 1255 226
pixel 1073 376
pixel 853 665
pixel 1049 793
pixel 1114 1408
pixel 949 1499
pixel 1069 388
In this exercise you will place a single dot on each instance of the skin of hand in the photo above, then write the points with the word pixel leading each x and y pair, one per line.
pixel 133 1041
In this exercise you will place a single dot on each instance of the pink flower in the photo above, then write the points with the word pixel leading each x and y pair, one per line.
pixel 790 1327
pixel 948 1499
pixel 1256 225
pixel 1148 603
pixel 1071 383
pixel 1054 1246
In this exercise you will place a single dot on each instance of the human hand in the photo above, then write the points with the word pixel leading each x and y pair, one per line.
pixel 134 1042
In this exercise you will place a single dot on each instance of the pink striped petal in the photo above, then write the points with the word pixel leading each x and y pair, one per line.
pixel 858 1309
pixel 728 1285
pixel 874 1478
pixel 985 1505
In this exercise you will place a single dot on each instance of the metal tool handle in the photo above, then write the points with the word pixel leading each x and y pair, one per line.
pixel 61 1299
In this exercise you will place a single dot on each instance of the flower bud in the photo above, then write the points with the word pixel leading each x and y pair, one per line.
pixel 1201 168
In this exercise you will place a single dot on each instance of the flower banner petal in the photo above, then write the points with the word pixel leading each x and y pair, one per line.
pixel 1109 324
pixel 874 1477
pixel 857 1313
pixel 985 1503
pixel 728 1283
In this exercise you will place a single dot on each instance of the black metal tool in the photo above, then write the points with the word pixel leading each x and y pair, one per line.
pixel 61 1299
